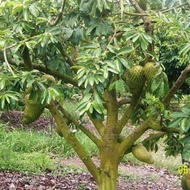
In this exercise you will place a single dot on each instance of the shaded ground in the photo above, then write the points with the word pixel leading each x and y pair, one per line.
pixel 135 177
pixel 132 177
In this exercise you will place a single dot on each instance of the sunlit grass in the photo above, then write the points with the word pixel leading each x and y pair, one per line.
pixel 25 150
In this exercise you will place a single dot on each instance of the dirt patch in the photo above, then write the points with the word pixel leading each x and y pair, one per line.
pixel 45 181
pixel 14 119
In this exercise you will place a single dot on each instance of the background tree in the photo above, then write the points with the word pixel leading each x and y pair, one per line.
pixel 110 52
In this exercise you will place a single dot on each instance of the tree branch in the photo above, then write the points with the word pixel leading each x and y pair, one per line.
pixel 154 136
pixel 64 54
pixel 131 139
pixel 123 101
pixel 122 9
pixel 147 25
pixel 139 10
pixel 167 10
pixel 79 126
pixel 184 74
pixel 73 141
pixel 112 108
pixel 151 137
pixel 129 110
pixel 26 58
pixel 7 63
pixel 98 124
pixel 60 14
pixel 65 78
pixel 136 14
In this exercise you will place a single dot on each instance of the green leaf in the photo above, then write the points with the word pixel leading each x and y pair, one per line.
pixel 125 50
pixel 187 125
pixel 176 115
pixel 82 80
pixel 186 110
pixel 97 107
pixel 80 73
pixel 100 5
pixel 186 150
pixel 175 123
pixel 98 98
pixel 155 84
pixel 2 102
pixel 33 10
pixel 124 62
pixel 26 14
pixel 82 108
pixel 7 99
pixel 86 98
pixel 183 124
pixel 111 49
pixel 185 50
pixel 91 80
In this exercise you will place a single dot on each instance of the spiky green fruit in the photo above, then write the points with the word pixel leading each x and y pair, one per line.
pixel 150 70
pixel 187 179
pixel 32 111
pixel 141 153
pixel 135 79
pixel 183 183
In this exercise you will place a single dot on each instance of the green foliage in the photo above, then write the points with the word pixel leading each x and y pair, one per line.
pixel 173 43
pixel 181 119
pixel 91 47
pixel 173 145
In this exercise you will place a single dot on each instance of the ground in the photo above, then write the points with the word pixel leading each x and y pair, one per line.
pixel 131 176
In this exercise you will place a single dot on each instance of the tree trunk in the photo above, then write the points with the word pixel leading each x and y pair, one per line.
pixel 107 178
pixel 106 183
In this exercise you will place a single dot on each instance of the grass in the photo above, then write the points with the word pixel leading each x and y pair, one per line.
pixel 35 162
pixel 32 151
pixel 171 163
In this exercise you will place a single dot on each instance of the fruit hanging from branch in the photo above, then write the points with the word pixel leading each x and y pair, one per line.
pixel 135 79
pixel 141 153
pixel 150 70
pixel 33 108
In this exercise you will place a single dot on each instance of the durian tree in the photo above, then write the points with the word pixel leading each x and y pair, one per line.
pixel 109 54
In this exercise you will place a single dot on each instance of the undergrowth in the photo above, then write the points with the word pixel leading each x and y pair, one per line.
pixel 36 151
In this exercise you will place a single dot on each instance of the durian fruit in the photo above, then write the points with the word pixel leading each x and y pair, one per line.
pixel 183 183
pixel 141 153
pixel 135 79
pixel 33 109
pixel 150 71
pixel 187 179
